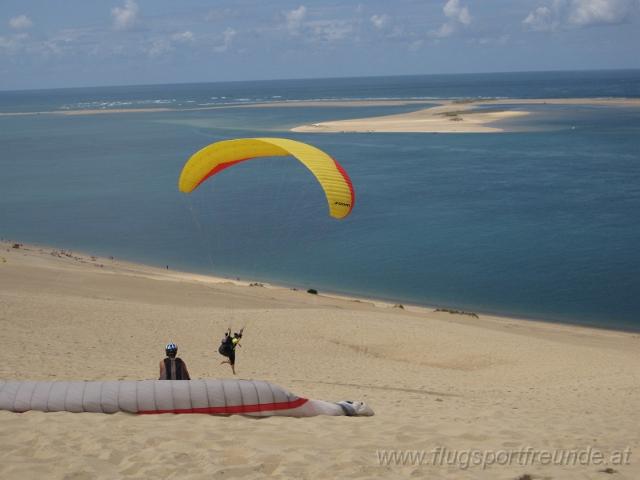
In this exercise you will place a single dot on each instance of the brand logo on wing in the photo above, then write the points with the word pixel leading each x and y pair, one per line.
pixel 342 204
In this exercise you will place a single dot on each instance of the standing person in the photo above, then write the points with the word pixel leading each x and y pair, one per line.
pixel 172 367
pixel 228 346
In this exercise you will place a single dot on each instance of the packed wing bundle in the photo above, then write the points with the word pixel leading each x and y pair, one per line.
pixel 213 397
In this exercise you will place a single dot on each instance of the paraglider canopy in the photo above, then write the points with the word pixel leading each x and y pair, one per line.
pixel 215 157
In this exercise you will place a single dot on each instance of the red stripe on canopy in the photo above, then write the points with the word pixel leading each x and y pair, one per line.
pixel 219 168
pixel 234 409
pixel 345 175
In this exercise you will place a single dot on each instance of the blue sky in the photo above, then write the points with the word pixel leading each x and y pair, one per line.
pixel 68 43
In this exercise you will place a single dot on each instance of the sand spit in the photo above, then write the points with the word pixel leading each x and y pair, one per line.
pixel 453 116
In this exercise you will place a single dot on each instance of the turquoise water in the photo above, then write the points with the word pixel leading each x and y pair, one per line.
pixel 541 222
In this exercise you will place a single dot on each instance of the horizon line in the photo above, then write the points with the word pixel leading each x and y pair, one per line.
pixel 320 78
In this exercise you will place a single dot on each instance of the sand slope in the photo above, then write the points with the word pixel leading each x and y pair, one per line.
pixel 434 379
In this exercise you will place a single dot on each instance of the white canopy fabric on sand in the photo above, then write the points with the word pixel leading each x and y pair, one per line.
pixel 214 397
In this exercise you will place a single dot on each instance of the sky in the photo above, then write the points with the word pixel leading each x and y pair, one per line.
pixel 73 43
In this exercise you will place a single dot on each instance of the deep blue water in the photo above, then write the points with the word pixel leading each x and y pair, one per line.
pixel 541 222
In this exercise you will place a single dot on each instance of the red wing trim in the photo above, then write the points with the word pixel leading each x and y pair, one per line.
pixel 219 168
pixel 231 409
pixel 345 175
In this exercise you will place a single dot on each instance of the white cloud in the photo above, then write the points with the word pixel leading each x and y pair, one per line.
pixel 454 11
pixel 416 45
pixel 457 15
pixel 164 45
pixel 295 19
pixel 445 30
pixel 323 30
pixel 599 12
pixel 330 30
pixel 227 39
pixel 8 44
pixel 501 40
pixel 22 43
pixel 125 18
pixel 541 19
pixel 48 48
pixel 159 47
pixel 14 43
pixel 21 22
pixel 183 37
pixel 379 21
pixel 562 14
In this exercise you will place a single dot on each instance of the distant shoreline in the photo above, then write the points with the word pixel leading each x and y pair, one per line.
pixel 447 116
pixel 283 103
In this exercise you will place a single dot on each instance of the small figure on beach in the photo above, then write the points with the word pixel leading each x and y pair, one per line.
pixel 228 346
pixel 172 367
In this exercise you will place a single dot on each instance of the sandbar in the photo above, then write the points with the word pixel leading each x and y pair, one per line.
pixel 453 116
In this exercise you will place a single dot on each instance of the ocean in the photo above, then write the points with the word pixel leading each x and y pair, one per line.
pixel 540 222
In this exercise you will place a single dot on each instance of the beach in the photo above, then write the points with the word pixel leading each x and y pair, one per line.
pixel 437 381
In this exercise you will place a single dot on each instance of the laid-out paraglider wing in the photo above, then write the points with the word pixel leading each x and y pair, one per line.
pixel 214 158
pixel 209 396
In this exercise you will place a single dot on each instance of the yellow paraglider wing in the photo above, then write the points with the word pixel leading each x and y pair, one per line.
pixel 214 158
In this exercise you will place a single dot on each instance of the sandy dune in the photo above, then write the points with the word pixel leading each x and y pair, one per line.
pixel 435 380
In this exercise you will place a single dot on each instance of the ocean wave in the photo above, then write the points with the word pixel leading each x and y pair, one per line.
pixel 104 104
pixel 275 99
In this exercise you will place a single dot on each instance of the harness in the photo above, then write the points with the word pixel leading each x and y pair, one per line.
pixel 227 346
pixel 173 369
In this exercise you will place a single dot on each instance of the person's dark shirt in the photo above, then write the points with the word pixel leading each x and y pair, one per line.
pixel 174 369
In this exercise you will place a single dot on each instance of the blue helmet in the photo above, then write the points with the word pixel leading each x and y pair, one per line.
pixel 171 349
